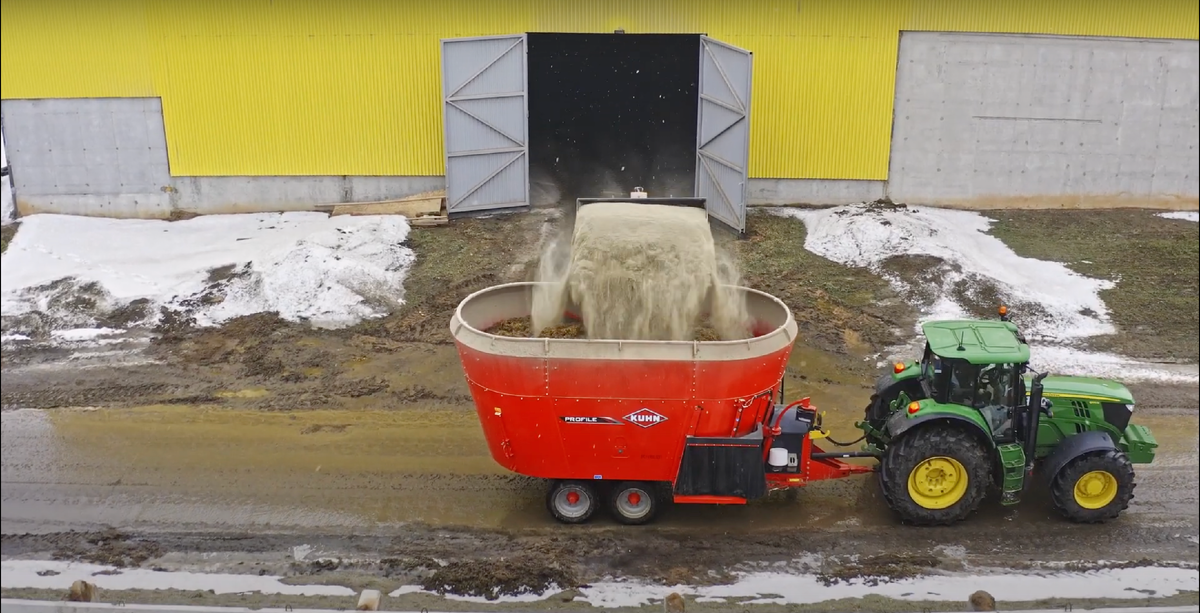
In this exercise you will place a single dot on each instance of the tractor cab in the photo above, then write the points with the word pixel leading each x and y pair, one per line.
pixel 976 365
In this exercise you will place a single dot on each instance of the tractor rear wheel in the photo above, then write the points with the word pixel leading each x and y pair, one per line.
pixel 936 475
pixel 571 502
pixel 634 502
pixel 1094 488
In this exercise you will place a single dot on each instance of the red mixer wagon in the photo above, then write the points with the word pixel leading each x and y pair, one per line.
pixel 640 423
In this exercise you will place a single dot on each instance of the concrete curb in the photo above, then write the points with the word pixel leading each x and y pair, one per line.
pixel 9 605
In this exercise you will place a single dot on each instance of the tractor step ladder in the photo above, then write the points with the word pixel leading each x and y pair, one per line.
pixel 1012 459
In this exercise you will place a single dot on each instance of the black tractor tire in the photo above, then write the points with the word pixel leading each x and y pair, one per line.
pixel 877 422
pixel 925 443
pixel 634 503
pixel 572 502
pixel 1113 462
pixel 884 487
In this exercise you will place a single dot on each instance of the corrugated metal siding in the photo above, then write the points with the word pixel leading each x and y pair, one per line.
pixel 74 49
pixel 309 87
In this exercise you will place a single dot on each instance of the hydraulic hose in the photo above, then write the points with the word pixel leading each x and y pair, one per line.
pixel 853 442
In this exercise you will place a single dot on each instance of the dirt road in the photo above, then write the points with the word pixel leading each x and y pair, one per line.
pixel 318 477
pixel 400 493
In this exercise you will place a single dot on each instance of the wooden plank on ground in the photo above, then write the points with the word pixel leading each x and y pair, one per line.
pixel 428 221
pixel 408 208
pixel 437 193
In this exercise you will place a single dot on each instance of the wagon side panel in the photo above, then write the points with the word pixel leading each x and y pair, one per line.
pixel 734 393
pixel 620 439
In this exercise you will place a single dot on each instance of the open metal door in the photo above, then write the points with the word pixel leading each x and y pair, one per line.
pixel 723 135
pixel 485 112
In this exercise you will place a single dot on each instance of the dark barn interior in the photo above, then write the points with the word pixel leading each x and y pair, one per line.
pixel 610 112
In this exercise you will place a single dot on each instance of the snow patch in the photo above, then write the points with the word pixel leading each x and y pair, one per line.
pixel 784 588
pixel 957 265
pixel 38 575
pixel 498 598
pixel 1070 360
pixel 749 588
pixel 79 335
pixel 63 272
pixel 866 236
pixel 1191 216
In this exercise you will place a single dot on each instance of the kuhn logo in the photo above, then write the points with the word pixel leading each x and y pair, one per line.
pixel 644 418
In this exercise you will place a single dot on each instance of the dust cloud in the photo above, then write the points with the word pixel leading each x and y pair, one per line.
pixel 641 272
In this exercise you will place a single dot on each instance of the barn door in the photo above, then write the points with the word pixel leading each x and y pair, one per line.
pixel 487 135
pixel 723 135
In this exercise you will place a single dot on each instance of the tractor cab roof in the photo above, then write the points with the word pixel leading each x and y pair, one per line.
pixel 979 341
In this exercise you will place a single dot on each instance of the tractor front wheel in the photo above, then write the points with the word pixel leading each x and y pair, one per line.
pixel 936 475
pixel 1094 488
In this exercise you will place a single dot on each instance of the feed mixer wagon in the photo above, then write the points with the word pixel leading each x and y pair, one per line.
pixel 632 425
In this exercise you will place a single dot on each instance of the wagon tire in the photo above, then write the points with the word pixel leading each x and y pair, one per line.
pixel 572 502
pixel 634 502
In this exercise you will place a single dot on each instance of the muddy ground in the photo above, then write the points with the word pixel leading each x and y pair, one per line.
pixel 7 233
pixel 408 357
pixel 263 435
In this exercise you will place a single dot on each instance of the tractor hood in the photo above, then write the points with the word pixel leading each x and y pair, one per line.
pixel 1085 388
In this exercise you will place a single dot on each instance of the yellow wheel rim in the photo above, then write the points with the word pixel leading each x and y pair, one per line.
pixel 937 483
pixel 1096 489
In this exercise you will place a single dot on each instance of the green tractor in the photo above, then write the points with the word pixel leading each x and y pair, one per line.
pixel 971 417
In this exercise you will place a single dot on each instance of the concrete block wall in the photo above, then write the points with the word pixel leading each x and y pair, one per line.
pixel 1003 120
pixel 768 192
pixel 98 156
pixel 210 195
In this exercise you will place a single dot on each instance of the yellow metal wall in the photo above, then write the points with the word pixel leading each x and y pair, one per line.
pixel 327 87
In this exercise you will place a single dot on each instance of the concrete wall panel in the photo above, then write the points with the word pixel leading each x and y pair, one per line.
pixel 994 120
pixel 211 195
pixel 99 156
pixel 814 192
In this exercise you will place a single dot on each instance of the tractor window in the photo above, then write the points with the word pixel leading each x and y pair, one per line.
pixel 995 397
pixel 933 375
pixel 962 385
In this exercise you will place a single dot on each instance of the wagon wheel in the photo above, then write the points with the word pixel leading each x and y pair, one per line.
pixel 571 502
pixel 633 502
